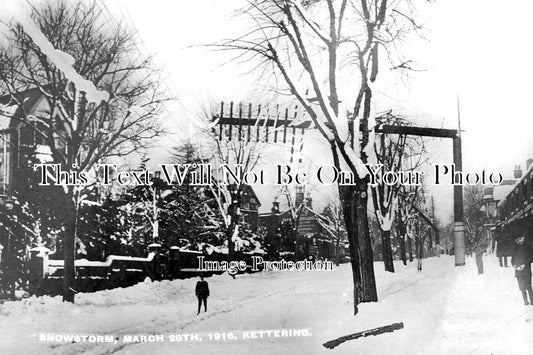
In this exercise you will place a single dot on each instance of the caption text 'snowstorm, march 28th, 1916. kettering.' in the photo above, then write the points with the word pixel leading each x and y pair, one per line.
pixel 174 338
pixel 279 174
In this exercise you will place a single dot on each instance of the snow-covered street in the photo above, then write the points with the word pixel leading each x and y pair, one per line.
pixel 446 310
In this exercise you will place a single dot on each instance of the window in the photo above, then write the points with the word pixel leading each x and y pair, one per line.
pixel 27 135
pixel 491 209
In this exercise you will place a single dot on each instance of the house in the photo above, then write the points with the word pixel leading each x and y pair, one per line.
pixel 301 232
pixel 22 134
pixel 515 205
pixel 509 208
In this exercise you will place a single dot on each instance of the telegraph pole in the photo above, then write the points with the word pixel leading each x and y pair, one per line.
pixel 458 212
pixel 286 122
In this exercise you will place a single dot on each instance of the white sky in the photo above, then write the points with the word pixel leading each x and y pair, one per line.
pixel 478 49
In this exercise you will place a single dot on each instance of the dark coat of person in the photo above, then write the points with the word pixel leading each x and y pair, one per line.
pixel 480 246
pixel 522 255
pixel 202 289
pixel 504 246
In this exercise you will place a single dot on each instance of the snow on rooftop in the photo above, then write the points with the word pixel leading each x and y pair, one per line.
pixel 6 112
pixel 512 184
pixel 501 191
pixel 4 122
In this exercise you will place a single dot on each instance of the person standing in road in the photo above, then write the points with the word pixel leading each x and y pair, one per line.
pixel 521 261
pixel 480 247
pixel 202 292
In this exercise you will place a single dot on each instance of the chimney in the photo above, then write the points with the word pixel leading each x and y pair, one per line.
pixel 309 201
pixel 299 196
pixel 517 172
pixel 275 206
pixel 528 163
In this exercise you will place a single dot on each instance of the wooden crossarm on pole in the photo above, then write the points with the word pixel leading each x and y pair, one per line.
pixel 418 131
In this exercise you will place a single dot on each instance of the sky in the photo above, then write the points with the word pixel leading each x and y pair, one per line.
pixel 477 52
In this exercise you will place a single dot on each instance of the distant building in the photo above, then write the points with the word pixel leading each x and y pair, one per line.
pixel 250 207
pixel 509 208
pixel 309 238
pixel 515 207
pixel 492 195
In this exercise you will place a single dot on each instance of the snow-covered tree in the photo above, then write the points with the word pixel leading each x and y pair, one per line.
pixel 405 212
pixel 395 154
pixel 333 224
pixel 240 156
pixel 475 220
pixel 34 214
pixel 103 96
pixel 416 222
pixel 191 211
pixel 327 54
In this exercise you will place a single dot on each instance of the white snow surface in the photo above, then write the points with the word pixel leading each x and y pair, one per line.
pixel 445 310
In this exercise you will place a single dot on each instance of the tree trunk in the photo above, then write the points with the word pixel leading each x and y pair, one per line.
pixel 419 253
pixel 401 231
pixel 350 218
pixel 403 253
pixel 387 251
pixel 229 236
pixel 69 237
pixel 338 249
pixel 370 293
pixel 430 242
pixel 356 220
pixel 403 248
pixel 234 215
pixel 410 249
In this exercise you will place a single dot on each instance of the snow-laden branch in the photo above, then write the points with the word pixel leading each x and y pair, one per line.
pixel 356 160
pixel 385 220
pixel 323 35
pixel 63 61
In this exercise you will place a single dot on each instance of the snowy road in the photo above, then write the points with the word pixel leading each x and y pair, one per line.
pixel 446 310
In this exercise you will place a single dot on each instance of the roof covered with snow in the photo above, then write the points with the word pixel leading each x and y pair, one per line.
pixel 5 116
pixel 14 105
pixel 501 191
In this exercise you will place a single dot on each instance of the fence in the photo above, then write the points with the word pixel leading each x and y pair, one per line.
pixel 46 275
